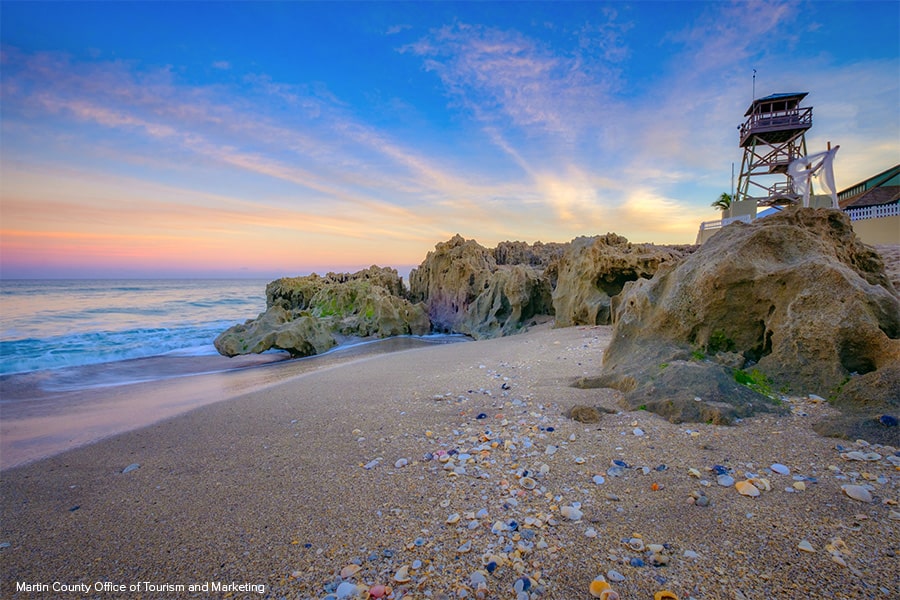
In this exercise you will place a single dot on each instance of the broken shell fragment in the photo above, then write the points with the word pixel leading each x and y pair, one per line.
pixel 597 587
pixel 745 488
pixel 349 571
pixel 665 595
pixel 402 574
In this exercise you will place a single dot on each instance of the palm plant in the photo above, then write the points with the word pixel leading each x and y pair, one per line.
pixel 723 203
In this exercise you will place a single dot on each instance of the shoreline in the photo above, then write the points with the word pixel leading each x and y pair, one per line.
pixel 286 487
pixel 45 413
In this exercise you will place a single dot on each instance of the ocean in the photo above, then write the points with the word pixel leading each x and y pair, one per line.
pixel 83 360
pixel 51 324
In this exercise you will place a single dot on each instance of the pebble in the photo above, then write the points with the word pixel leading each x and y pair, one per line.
pixel 638 431
pixel 725 480
pixel 598 479
pixel 857 492
pixel 401 463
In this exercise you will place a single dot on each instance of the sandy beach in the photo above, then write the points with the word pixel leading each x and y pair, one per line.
pixel 273 493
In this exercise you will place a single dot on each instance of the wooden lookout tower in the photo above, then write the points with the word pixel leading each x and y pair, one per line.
pixel 772 136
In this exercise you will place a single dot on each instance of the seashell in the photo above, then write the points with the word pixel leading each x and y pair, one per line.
pixel 380 591
pixel 597 587
pixel 761 483
pixel 636 544
pixel 799 486
pixel 467 547
pixel 609 595
pixel 615 576
pixel 656 548
pixel 805 546
pixel 453 519
pixel 571 513
pixel 579 460
pixel 694 473
pixel 346 590
pixel 857 492
pixel 402 575
pixel 528 483
pixel 780 469
pixel 745 488
pixel 665 595
pixel 349 571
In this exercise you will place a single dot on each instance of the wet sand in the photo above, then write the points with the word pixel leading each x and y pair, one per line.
pixel 47 412
pixel 279 489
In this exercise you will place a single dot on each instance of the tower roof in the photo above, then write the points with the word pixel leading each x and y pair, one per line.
pixel 774 97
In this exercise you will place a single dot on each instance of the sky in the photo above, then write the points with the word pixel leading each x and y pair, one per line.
pixel 269 139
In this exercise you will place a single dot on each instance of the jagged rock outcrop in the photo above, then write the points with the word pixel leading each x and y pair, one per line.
pixel 595 269
pixel 795 299
pixel 277 328
pixel 467 291
pixel 304 314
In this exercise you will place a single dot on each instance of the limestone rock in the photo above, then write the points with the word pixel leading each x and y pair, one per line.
pixel 466 291
pixel 305 313
pixel 595 269
pixel 797 295
pixel 276 328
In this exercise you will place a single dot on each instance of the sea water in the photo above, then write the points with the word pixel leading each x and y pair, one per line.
pixel 52 324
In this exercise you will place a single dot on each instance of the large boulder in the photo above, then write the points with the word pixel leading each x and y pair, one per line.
pixel 305 314
pixel 792 303
pixel 276 328
pixel 595 269
pixel 467 291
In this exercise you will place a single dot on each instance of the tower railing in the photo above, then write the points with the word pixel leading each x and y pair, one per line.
pixel 797 118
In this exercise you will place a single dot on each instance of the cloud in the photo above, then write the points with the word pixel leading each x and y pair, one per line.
pixel 221 65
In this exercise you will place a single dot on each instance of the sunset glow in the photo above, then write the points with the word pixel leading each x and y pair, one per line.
pixel 270 139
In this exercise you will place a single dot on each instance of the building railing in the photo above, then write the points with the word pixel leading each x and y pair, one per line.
pixel 705 225
pixel 873 212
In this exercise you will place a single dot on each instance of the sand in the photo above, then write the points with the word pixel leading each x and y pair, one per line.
pixel 271 489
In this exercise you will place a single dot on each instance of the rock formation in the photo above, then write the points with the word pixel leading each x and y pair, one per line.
pixel 595 269
pixel 486 292
pixel 304 314
pixel 277 328
pixel 792 302
pixel 467 291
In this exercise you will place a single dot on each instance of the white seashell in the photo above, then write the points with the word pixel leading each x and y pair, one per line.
pixel 402 574
pixel 528 483
pixel 349 571
pixel 467 547
pixel 636 544
pixel 550 450
pixel 579 460
pixel 780 469
pixel 857 492
pixel 805 546
pixel 656 548
pixel 401 463
pixel 453 519
pixel 571 513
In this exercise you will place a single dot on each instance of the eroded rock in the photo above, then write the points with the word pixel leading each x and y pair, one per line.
pixel 796 295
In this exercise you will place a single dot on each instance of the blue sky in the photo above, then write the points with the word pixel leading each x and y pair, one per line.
pixel 269 139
